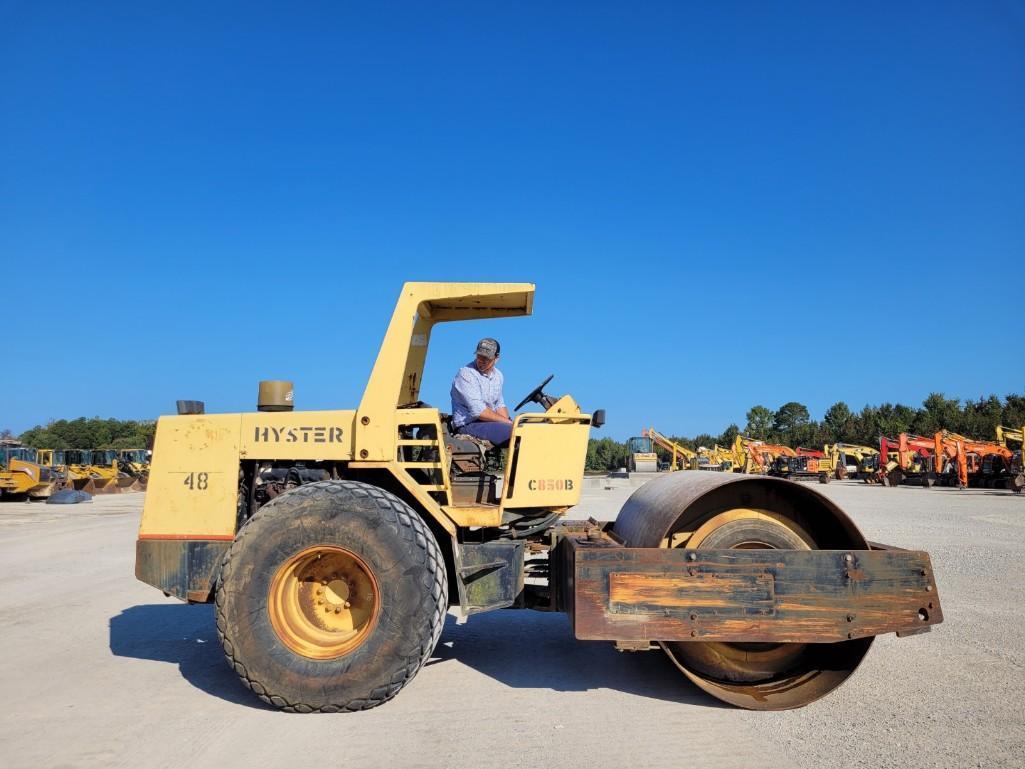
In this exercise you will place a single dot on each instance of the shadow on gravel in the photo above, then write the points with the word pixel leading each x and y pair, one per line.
pixel 184 635
pixel 521 649
pixel 535 650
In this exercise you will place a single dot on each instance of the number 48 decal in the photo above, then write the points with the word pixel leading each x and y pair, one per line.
pixel 196 481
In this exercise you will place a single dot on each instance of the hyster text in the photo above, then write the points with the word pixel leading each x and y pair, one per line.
pixel 298 435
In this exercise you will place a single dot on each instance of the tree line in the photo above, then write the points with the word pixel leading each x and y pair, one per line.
pixel 791 424
pixel 95 433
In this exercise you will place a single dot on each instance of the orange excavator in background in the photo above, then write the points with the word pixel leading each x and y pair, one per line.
pixel 967 462
pixel 906 459
pixel 950 459
pixel 805 464
pixel 946 458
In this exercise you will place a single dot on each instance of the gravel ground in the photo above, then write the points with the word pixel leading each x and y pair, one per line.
pixel 99 670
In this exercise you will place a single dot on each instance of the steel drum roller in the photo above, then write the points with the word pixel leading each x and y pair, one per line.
pixel 721 511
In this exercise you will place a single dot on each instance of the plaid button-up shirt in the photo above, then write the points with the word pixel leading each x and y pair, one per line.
pixel 472 392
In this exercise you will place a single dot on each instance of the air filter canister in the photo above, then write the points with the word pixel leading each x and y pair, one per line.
pixel 275 395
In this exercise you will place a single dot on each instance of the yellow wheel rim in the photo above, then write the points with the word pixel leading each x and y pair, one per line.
pixel 324 602
pixel 744 513
pixel 736 657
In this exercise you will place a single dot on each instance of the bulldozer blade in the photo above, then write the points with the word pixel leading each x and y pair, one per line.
pixel 102 486
pixel 127 483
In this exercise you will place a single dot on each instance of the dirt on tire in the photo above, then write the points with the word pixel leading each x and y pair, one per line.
pixel 409 568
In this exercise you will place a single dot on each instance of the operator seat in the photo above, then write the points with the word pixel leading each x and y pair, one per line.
pixel 469 453
pixel 473 481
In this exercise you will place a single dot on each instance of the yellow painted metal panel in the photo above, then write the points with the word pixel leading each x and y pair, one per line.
pixel 398 371
pixel 193 486
pixel 475 516
pixel 432 418
pixel 25 478
pixel 426 502
pixel 546 461
pixel 310 435
pixel 16 483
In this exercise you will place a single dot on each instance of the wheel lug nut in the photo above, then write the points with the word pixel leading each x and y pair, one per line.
pixel 338 609
pixel 347 604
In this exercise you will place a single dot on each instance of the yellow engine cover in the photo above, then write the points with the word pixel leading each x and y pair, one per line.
pixel 193 481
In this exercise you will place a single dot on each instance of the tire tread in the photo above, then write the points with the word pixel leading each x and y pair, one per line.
pixel 417 535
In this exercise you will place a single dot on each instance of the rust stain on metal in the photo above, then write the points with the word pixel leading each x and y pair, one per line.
pixel 791 596
pixel 186 569
pixel 653 593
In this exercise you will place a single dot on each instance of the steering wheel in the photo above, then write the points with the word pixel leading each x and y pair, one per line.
pixel 535 394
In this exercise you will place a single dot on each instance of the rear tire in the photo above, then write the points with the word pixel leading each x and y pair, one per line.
pixel 269 598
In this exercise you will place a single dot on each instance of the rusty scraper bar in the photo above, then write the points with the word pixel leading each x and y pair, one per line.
pixel 778 596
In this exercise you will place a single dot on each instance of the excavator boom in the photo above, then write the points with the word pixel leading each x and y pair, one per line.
pixel 683 458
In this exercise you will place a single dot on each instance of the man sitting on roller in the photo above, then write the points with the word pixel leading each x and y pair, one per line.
pixel 477 405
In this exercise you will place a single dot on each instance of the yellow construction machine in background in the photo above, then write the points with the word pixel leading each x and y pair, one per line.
pixel 641 456
pixel 78 467
pixel 717 458
pixel 57 464
pixel 94 472
pixel 106 474
pixel 1016 436
pixel 1012 435
pixel 680 457
pixel 134 463
pixel 137 460
pixel 851 460
pixel 22 475
pixel 38 473
pixel 753 456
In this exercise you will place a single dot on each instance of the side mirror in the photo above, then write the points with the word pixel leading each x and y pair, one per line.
pixel 598 418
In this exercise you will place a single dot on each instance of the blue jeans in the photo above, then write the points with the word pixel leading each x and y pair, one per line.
pixel 497 433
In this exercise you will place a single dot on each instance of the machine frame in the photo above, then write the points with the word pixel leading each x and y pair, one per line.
pixel 666 572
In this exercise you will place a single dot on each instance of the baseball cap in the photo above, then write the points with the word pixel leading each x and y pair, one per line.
pixel 489 348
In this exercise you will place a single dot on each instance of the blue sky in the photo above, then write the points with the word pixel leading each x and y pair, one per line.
pixel 721 204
